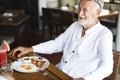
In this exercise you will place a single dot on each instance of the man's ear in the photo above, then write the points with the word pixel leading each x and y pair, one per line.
pixel 98 11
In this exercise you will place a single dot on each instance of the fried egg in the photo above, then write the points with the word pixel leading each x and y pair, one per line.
pixel 27 67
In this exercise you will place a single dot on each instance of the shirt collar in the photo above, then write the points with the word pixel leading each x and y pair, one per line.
pixel 94 28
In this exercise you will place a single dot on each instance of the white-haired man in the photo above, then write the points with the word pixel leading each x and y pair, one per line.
pixel 86 45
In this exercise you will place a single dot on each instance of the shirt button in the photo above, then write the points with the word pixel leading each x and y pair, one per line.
pixel 65 61
pixel 73 51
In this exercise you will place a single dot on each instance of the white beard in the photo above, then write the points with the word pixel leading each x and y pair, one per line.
pixel 85 22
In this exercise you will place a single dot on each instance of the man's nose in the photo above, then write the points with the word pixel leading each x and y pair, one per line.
pixel 80 12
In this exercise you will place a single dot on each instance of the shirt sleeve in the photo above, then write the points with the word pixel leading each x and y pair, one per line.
pixel 48 47
pixel 2 78
pixel 105 65
pixel 56 45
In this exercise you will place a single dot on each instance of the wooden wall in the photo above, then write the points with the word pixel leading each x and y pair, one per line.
pixel 3 5
pixel 30 7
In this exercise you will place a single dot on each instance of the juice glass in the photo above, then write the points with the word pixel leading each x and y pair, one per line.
pixel 6 67
pixel 3 55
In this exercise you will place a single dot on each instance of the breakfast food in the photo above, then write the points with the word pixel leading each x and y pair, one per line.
pixel 27 67
pixel 30 64
pixel 27 59
pixel 40 63
pixel 37 62
pixel 34 61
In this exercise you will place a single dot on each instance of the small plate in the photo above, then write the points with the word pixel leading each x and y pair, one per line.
pixel 26 61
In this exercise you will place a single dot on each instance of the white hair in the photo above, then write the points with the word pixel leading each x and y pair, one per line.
pixel 100 3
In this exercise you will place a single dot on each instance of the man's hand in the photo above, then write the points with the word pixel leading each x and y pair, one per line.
pixel 19 51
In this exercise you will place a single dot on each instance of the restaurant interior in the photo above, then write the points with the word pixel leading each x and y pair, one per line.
pixel 23 22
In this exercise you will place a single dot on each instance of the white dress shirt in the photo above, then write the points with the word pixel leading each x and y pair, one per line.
pixel 89 57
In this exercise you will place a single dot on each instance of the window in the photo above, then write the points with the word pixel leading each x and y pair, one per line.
pixel 117 1
pixel 106 0
pixel 112 1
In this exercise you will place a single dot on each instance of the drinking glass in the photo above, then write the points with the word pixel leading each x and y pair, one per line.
pixel 3 54
pixel 6 67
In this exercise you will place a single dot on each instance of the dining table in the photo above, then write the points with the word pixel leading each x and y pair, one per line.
pixel 49 73
pixel 13 26
pixel 106 13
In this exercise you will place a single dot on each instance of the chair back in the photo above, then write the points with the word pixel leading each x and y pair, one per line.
pixel 47 16
pixel 116 57
pixel 56 19
pixel 67 19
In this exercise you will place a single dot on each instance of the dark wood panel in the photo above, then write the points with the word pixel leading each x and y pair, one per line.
pixel 3 5
pixel 29 6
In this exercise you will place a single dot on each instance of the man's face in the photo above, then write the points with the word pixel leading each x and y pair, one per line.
pixel 87 13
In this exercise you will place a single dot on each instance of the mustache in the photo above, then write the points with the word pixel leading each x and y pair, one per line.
pixel 82 17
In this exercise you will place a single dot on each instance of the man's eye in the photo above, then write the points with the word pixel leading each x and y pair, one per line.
pixel 84 10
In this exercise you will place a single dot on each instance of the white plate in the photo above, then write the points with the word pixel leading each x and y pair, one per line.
pixel 22 61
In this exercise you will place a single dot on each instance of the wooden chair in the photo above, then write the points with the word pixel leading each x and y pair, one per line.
pixel 114 74
pixel 30 38
pixel 55 19
pixel 51 19
pixel 67 18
